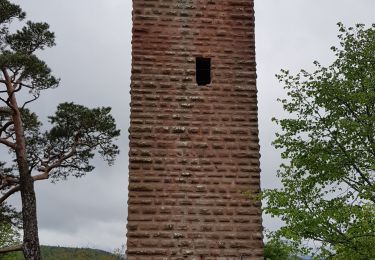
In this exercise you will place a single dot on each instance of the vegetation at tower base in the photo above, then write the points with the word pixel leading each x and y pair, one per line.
pixel 65 150
pixel 328 143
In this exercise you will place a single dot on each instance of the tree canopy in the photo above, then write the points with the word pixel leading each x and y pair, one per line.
pixel 328 143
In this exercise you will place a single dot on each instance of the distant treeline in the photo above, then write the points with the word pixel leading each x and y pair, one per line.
pixel 66 253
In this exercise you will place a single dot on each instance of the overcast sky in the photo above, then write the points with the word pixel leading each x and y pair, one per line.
pixel 92 58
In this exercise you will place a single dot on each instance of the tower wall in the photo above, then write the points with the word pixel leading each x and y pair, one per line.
pixel 193 149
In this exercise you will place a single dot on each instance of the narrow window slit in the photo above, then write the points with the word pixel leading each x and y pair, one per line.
pixel 203 71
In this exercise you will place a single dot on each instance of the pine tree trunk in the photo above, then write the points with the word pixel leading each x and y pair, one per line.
pixel 31 248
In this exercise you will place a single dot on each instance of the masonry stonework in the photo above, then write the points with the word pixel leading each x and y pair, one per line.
pixel 193 149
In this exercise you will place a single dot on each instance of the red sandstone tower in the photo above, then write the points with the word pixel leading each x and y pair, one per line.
pixel 194 132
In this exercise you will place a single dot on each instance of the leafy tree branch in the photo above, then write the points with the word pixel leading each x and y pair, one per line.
pixel 328 193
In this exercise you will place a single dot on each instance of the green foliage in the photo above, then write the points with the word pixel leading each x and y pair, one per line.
pixel 328 144
pixel 17 51
pixel 277 249
pixel 10 225
pixel 10 222
pixel 32 37
pixel 8 12
pixel 80 131
pixel 32 72
pixel 76 133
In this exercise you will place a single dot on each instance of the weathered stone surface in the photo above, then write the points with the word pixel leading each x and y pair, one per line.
pixel 193 149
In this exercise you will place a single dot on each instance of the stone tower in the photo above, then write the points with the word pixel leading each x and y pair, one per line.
pixel 194 132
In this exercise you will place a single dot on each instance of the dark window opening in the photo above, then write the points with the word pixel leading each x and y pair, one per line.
pixel 203 71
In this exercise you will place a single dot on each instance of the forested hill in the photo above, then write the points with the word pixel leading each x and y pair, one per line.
pixel 65 253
